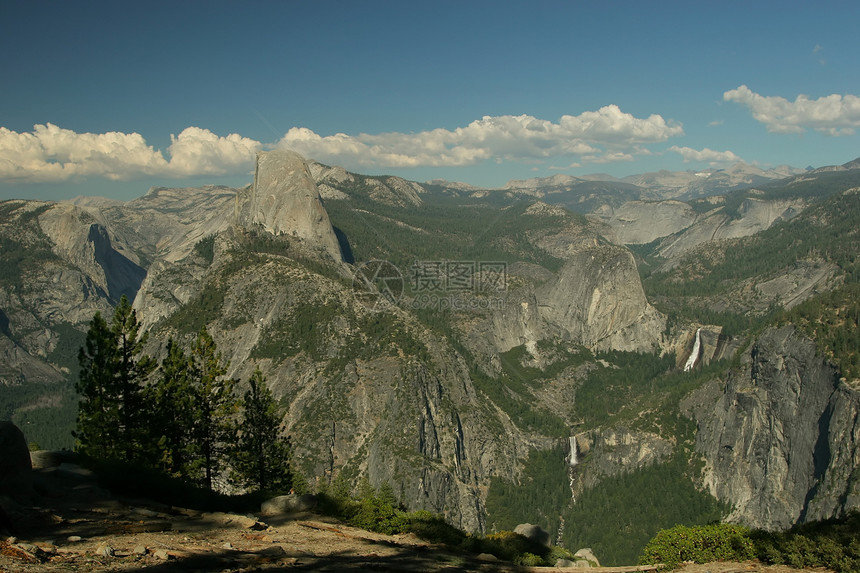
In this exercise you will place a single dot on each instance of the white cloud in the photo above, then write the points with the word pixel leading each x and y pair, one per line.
pixel 833 115
pixel 50 153
pixel 53 154
pixel 604 135
pixel 706 155
pixel 200 152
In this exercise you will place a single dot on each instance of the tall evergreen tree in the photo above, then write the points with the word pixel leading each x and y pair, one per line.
pixel 214 408
pixel 110 386
pixel 261 459
pixel 171 400
pixel 133 368
pixel 98 409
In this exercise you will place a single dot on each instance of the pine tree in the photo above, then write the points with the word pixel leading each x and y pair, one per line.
pixel 262 457
pixel 171 400
pixel 133 368
pixel 114 369
pixel 214 408
pixel 98 409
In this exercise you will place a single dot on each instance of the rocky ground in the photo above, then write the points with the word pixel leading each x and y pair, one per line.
pixel 76 525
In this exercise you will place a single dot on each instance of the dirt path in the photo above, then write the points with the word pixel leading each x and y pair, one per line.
pixel 72 524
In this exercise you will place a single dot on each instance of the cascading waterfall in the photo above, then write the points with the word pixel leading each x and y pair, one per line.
pixel 694 355
pixel 571 462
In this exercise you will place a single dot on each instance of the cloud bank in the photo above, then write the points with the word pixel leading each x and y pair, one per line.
pixel 605 135
pixel 53 154
pixel 833 115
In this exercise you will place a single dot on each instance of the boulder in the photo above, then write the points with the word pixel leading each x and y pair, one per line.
pixel 288 504
pixel 534 532
pixel 586 554
pixel 15 464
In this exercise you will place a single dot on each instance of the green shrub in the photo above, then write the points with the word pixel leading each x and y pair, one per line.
pixel 529 560
pixel 510 546
pixel 833 543
pixel 373 514
pixel 700 544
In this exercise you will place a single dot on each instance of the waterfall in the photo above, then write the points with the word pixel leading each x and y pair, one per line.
pixel 571 464
pixel 694 355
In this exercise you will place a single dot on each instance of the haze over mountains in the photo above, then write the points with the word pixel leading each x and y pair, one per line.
pixel 532 351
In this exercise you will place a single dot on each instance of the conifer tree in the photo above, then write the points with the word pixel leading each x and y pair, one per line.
pixel 261 459
pixel 171 400
pixel 98 410
pixel 110 386
pixel 133 368
pixel 214 408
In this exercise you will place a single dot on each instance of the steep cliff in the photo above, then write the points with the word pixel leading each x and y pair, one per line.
pixel 753 215
pixel 780 435
pixel 284 200
pixel 598 299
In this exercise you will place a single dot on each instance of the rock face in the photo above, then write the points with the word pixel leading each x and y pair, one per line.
pixel 781 437
pixel 640 222
pixel 82 239
pixel 598 299
pixel 614 451
pixel 595 299
pixel 754 215
pixel 284 200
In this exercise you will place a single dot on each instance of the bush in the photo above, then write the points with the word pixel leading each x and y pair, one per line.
pixel 510 546
pixel 833 543
pixel 529 560
pixel 373 514
pixel 701 544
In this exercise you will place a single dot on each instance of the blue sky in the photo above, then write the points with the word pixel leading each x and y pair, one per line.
pixel 110 98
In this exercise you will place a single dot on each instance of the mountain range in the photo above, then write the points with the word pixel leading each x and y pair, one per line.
pixel 494 355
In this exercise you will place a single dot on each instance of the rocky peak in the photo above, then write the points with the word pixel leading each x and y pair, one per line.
pixel 284 200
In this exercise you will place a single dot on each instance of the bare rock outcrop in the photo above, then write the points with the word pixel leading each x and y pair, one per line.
pixel 284 200
pixel 754 215
pixel 598 299
pixel 640 222
pixel 83 239
pixel 780 436
pixel 613 451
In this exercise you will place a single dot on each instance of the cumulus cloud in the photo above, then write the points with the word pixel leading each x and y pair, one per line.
pixel 200 152
pixel 833 115
pixel 705 155
pixel 605 135
pixel 53 154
